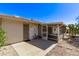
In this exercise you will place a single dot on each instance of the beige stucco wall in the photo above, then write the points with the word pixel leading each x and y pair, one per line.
pixel 33 30
pixel 14 31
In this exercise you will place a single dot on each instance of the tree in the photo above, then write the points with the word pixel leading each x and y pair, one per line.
pixel 2 37
pixel 77 20
pixel 77 24
pixel 72 29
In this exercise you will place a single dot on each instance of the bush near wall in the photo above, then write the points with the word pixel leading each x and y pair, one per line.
pixel 2 37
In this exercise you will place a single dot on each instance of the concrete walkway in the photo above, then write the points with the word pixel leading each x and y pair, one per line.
pixel 29 49
pixel 8 51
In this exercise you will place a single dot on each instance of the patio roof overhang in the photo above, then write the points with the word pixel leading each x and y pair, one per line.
pixel 28 21
pixel 18 19
pixel 60 24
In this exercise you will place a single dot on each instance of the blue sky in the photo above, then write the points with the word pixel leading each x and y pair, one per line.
pixel 66 13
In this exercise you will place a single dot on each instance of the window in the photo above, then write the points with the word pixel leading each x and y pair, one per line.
pixel 44 28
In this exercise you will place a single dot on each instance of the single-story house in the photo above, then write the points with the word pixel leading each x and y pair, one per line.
pixel 18 29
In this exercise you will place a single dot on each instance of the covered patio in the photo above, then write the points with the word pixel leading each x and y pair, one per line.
pixel 52 31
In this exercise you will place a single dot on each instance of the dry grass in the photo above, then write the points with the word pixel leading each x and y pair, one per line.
pixel 64 49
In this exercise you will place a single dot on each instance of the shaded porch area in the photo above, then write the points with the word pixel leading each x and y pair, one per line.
pixel 42 44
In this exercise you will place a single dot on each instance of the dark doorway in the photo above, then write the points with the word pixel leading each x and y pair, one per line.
pixel 49 30
pixel 51 36
pixel 26 32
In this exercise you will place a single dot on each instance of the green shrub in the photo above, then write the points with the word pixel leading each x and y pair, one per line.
pixel 2 37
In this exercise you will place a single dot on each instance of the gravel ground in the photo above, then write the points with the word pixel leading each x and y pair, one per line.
pixel 7 51
pixel 64 49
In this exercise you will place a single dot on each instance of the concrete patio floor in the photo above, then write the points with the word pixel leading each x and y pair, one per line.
pixel 42 44
pixel 34 47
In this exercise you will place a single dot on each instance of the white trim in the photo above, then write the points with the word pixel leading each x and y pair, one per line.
pixel 49 49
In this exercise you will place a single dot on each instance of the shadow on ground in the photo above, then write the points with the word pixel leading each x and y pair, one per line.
pixel 42 44
pixel 74 42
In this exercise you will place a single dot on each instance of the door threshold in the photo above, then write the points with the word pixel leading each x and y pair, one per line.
pixel 27 40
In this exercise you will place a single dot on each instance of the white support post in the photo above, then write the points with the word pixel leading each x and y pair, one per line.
pixel 42 31
pixel 58 31
pixel 47 32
